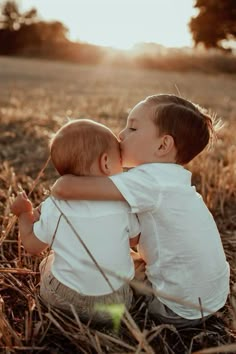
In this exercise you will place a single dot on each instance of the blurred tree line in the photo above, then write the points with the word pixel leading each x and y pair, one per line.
pixel 215 24
pixel 23 33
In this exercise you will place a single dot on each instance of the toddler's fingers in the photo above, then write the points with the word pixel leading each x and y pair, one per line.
pixel 24 195
pixel 21 191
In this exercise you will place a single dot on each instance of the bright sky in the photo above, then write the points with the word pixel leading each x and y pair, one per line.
pixel 120 23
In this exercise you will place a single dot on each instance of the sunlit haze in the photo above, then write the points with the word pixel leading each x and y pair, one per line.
pixel 120 23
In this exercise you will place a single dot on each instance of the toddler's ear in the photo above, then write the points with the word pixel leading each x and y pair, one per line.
pixel 104 164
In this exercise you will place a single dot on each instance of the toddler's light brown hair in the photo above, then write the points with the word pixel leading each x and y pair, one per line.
pixel 78 144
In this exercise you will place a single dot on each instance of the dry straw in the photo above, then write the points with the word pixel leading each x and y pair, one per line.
pixel 38 326
pixel 39 321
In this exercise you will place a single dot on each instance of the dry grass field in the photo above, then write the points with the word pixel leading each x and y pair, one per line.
pixel 36 97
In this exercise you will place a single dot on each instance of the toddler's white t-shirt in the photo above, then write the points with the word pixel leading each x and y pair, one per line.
pixel 105 228
pixel 179 238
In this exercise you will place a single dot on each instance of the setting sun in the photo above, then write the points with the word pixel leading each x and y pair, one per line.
pixel 122 23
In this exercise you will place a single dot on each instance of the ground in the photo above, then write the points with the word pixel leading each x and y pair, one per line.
pixel 37 97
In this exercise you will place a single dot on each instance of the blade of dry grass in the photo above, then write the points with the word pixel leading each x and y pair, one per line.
pixel 229 348
pixel 17 271
pixel 114 340
pixel 137 334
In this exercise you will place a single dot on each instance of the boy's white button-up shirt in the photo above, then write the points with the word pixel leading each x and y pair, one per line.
pixel 105 228
pixel 179 238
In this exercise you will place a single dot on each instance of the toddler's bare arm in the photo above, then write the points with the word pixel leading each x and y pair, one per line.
pixel 23 208
pixel 85 188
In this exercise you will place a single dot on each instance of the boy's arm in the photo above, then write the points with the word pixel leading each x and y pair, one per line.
pixel 85 188
pixel 23 208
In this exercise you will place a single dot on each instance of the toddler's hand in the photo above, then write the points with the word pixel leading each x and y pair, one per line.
pixel 21 204
pixel 37 213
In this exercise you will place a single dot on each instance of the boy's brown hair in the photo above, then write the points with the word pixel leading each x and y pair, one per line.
pixel 189 124
pixel 78 144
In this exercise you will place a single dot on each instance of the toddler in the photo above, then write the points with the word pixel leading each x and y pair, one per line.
pixel 82 269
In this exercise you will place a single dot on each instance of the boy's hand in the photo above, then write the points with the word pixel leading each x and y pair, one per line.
pixel 55 188
pixel 64 186
pixel 21 205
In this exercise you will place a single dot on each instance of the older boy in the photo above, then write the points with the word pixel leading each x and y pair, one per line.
pixel 179 241
pixel 82 269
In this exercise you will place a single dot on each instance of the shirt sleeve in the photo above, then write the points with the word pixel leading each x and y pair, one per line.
pixel 45 227
pixel 139 188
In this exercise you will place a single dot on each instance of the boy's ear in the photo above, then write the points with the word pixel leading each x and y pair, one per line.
pixel 105 164
pixel 165 146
